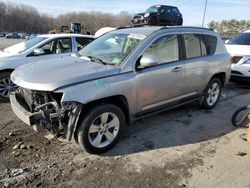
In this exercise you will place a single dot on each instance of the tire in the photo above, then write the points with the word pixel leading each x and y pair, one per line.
pixel 180 22
pixel 6 86
pixel 211 95
pixel 240 117
pixel 93 130
pixel 153 21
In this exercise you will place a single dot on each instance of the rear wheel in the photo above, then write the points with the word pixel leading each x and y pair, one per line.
pixel 212 94
pixel 6 85
pixel 100 128
pixel 153 21
pixel 180 22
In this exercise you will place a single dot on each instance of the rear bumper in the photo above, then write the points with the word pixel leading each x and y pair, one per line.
pixel 24 115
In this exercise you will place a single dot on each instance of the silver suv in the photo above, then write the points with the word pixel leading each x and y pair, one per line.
pixel 120 77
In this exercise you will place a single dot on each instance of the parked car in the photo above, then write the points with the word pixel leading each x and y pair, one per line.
pixel 241 70
pixel 239 49
pixel 123 75
pixel 2 34
pixel 226 39
pixel 43 47
pixel 13 36
pixel 159 15
pixel 31 36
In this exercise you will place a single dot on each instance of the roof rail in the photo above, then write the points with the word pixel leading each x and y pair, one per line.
pixel 165 27
pixel 131 26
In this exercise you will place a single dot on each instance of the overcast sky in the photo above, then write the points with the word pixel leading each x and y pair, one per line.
pixel 192 10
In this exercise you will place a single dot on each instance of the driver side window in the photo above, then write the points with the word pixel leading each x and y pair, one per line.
pixel 165 48
pixel 57 46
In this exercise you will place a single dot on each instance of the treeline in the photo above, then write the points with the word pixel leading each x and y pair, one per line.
pixel 230 27
pixel 24 18
pixel 92 21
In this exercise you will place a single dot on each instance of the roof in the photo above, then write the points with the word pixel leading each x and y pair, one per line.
pixel 65 35
pixel 147 30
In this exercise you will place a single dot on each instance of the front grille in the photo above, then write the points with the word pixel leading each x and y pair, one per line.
pixel 137 17
pixel 236 72
pixel 236 59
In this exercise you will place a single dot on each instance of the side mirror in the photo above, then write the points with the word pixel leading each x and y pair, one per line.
pixel 149 61
pixel 38 51
pixel 227 41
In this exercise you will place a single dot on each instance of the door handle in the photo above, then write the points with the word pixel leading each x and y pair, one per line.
pixel 177 69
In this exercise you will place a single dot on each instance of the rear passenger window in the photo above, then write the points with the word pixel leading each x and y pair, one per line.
pixel 192 44
pixel 165 48
pixel 211 43
pixel 175 10
pixel 82 42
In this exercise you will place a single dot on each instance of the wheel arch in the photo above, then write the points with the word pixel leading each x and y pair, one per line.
pixel 221 76
pixel 117 100
pixel 6 70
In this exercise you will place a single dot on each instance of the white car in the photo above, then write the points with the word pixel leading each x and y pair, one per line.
pixel 239 49
pixel 40 48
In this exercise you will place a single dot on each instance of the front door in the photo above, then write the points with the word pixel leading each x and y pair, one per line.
pixel 56 48
pixel 163 83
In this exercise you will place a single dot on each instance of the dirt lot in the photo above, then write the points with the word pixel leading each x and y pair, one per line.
pixel 185 147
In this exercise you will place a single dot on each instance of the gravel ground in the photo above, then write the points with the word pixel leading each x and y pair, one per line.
pixel 184 147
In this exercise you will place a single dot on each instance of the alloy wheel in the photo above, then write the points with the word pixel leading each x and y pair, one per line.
pixel 103 130
pixel 213 94
pixel 6 87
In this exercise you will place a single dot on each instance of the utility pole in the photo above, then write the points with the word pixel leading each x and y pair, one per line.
pixel 204 14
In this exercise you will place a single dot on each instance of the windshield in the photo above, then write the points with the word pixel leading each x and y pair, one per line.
pixel 152 9
pixel 24 46
pixel 112 48
pixel 241 39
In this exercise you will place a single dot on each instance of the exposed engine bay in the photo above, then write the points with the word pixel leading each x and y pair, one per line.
pixel 49 112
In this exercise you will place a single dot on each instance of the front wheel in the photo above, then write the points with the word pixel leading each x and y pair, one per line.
pixel 212 94
pixel 6 85
pixel 100 128
pixel 240 116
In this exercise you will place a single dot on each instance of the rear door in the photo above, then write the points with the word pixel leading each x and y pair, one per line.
pixel 81 42
pixel 159 85
pixel 196 63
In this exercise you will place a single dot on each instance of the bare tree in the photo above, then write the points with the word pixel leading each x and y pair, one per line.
pixel 25 18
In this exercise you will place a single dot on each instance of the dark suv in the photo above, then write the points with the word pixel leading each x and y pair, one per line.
pixel 159 15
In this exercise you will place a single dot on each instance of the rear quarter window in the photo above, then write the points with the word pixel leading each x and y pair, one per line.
pixel 198 45
pixel 211 43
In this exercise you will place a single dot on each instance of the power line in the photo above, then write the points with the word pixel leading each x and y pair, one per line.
pixel 204 14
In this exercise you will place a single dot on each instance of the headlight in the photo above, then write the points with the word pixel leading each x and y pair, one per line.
pixel 146 15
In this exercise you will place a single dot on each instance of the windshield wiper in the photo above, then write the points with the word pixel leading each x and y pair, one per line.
pixel 96 59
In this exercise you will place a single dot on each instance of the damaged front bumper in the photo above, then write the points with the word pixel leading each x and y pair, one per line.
pixel 26 116
pixel 66 117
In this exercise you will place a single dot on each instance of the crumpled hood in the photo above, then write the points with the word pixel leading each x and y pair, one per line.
pixel 238 50
pixel 60 72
